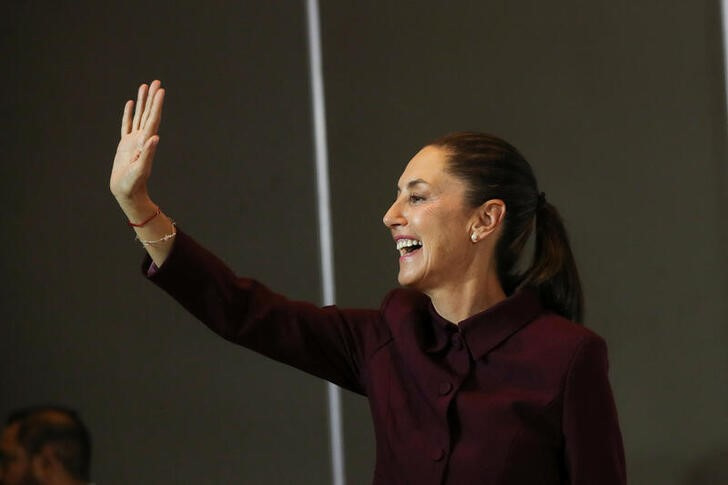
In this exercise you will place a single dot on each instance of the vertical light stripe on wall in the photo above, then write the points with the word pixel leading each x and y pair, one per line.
pixel 324 219
pixel 724 22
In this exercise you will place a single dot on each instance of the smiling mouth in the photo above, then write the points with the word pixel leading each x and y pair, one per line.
pixel 408 246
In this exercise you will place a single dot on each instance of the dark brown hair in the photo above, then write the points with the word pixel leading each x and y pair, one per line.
pixel 494 169
pixel 60 428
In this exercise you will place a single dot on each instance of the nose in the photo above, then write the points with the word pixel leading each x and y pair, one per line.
pixel 393 217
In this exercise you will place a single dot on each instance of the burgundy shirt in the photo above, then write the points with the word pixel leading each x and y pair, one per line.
pixel 513 395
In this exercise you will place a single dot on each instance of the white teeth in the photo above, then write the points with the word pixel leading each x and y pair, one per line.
pixel 406 243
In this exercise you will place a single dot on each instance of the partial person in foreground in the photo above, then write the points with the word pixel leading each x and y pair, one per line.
pixel 45 445
pixel 475 371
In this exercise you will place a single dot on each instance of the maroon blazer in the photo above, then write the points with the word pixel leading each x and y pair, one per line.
pixel 513 395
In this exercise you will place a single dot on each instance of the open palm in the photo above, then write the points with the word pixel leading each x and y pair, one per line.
pixel 134 155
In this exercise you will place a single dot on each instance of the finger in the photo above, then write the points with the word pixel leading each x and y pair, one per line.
pixel 155 116
pixel 141 98
pixel 147 155
pixel 148 107
pixel 126 118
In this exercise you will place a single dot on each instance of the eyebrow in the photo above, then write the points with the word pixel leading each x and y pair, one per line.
pixel 412 183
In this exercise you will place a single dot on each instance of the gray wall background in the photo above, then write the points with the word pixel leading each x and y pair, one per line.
pixel 618 105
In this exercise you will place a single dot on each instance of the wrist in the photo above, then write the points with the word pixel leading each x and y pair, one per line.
pixel 145 221
pixel 138 208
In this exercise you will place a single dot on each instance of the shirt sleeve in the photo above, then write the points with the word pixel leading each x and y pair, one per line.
pixel 327 342
pixel 593 441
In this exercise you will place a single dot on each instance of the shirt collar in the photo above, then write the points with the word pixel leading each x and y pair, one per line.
pixel 484 331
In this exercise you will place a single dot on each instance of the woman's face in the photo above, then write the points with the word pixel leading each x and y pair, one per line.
pixel 430 223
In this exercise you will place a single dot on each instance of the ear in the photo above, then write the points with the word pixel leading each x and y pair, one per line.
pixel 43 463
pixel 488 218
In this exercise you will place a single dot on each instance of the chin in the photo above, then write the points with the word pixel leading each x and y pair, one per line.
pixel 403 281
pixel 409 281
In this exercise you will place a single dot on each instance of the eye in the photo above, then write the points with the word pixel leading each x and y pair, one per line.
pixel 414 198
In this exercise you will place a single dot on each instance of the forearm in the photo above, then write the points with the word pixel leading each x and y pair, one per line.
pixel 155 234
pixel 325 342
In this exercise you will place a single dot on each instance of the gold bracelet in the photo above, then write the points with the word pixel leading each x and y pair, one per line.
pixel 162 239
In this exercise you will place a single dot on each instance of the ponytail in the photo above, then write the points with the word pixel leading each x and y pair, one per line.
pixel 553 269
pixel 494 169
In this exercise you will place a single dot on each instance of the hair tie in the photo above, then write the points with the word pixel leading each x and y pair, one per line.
pixel 541 202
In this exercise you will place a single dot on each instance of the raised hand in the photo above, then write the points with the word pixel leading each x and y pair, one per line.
pixel 132 166
pixel 139 139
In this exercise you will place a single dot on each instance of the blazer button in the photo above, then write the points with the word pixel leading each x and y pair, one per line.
pixel 445 388
pixel 457 342
pixel 438 454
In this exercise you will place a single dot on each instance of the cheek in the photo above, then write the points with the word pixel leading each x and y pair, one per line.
pixel 446 227
pixel 432 220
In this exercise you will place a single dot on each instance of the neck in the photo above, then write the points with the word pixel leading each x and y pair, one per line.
pixel 464 299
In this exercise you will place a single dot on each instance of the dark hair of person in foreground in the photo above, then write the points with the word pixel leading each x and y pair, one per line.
pixel 59 429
